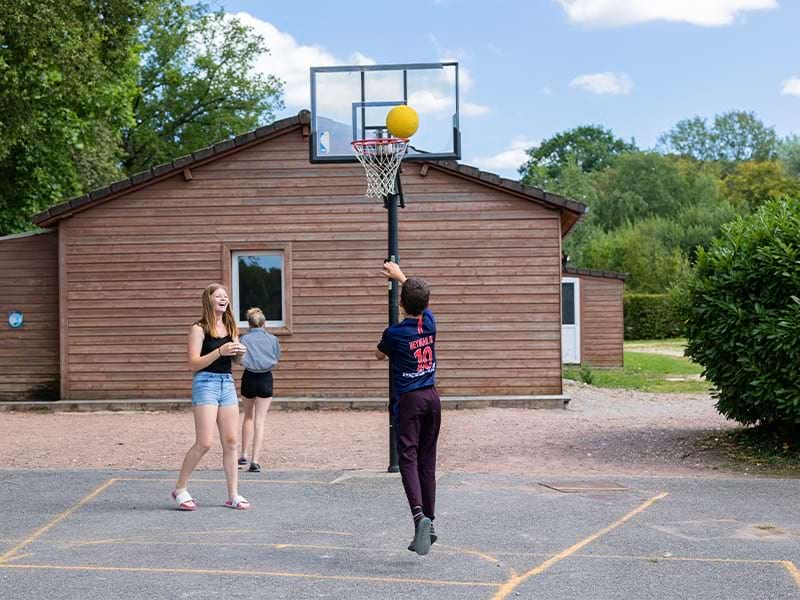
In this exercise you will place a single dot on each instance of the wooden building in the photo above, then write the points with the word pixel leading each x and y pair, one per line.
pixel 29 351
pixel 109 292
pixel 592 317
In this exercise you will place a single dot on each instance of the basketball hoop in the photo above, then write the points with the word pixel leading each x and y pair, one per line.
pixel 381 159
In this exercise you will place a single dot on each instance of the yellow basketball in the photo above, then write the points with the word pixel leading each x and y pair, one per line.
pixel 402 121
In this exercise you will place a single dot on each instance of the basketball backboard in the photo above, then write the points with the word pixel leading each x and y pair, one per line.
pixel 350 103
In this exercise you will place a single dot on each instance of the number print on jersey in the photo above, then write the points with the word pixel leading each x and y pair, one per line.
pixel 424 358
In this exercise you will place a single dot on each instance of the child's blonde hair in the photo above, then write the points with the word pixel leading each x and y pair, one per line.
pixel 255 317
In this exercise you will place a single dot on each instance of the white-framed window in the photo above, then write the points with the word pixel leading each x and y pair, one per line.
pixel 258 279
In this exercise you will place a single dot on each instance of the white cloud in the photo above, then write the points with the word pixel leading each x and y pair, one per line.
pixel 465 79
pixel 425 101
pixel 607 83
pixel 791 87
pixel 495 49
pixel 470 109
pixel 547 90
pixel 290 61
pixel 511 158
pixel 706 13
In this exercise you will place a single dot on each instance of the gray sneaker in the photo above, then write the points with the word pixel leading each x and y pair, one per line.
pixel 434 537
pixel 422 536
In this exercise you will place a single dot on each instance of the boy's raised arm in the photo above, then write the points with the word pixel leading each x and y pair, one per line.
pixel 392 271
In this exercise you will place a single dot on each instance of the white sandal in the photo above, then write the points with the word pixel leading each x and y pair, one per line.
pixel 238 502
pixel 184 500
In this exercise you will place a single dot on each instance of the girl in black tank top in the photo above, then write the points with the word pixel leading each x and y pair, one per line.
pixel 214 400
pixel 212 344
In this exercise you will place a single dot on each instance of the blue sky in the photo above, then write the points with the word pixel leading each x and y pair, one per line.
pixel 537 67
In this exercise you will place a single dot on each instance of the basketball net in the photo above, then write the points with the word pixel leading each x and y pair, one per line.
pixel 381 159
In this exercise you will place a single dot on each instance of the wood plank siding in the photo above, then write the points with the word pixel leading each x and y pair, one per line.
pixel 29 355
pixel 135 266
pixel 601 320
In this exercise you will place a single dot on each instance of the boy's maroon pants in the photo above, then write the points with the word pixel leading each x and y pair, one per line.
pixel 419 416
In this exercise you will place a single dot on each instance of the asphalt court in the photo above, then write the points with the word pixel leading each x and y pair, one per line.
pixel 334 534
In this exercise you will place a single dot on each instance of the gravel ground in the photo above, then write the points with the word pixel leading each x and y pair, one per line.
pixel 603 431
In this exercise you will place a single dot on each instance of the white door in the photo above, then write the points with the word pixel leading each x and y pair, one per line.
pixel 570 320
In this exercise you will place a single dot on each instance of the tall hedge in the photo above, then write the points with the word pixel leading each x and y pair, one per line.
pixel 650 317
pixel 742 311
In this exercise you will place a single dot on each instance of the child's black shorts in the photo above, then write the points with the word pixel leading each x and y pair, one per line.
pixel 257 384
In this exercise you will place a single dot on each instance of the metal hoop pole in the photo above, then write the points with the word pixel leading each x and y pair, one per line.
pixel 391 202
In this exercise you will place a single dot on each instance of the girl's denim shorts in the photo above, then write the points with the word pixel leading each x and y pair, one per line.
pixel 213 389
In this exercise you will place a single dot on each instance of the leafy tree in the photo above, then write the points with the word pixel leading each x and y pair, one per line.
pixel 575 183
pixel 637 249
pixel 743 317
pixel 697 225
pixel 590 147
pixel 753 183
pixel 645 184
pixel 197 83
pixel 67 73
pixel 648 214
pixel 789 154
pixel 578 185
pixel 732 137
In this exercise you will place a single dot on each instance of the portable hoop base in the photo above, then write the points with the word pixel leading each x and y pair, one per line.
pixel 381 159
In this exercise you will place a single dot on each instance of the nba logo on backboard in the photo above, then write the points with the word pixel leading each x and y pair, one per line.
pixel 324 142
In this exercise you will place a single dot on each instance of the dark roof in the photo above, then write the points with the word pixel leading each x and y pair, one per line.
pixel 515 186
pixel 568 270
pixel 24 234
pixel 55 213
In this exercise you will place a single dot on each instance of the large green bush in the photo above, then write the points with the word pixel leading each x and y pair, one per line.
pixel 650 317
pixel 743 316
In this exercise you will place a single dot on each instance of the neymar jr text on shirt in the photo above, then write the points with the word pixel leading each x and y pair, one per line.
pixel 423 341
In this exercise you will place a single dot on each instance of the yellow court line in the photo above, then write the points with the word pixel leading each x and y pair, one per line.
pixel 323 531
pixel 220 531
pixel 248 481
pixel 19 556
pixel 317 576
pixel 96 543
pixel 442 548
pixel 56 520
pixel 793 571
pixel 786 564
pixel 478 553
pixel 514 582
pixel 655 557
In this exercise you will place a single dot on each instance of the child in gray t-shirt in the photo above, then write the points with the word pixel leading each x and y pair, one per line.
pixel 263 353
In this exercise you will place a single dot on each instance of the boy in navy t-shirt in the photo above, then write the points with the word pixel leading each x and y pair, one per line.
pixel 411 347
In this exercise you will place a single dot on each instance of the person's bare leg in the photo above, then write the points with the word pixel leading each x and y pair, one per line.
pixel 262 407
pixel 247 426
pixel 228 422
pixel 204 419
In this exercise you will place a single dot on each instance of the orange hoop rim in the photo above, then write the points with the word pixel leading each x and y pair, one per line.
pixel 378 142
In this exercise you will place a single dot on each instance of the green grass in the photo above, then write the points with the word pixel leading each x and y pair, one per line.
pixel 645 371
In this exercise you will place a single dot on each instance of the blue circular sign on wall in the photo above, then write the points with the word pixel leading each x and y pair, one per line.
pixel 15 319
